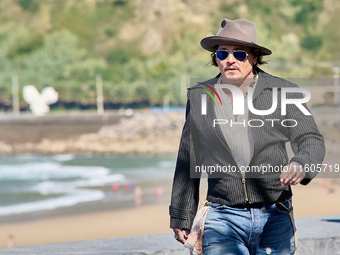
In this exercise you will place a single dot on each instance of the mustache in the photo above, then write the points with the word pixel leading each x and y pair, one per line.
pixel 231 66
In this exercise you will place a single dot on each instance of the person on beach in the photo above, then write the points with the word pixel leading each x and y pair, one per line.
pixel 138 195
pixel 236 128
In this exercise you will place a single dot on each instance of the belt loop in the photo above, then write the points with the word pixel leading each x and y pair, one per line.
pixel 288 209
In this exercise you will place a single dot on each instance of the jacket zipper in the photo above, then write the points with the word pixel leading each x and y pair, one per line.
pixel 243 176
pixel 245 188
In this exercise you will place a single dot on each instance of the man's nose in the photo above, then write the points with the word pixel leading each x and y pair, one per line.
pixel 230 58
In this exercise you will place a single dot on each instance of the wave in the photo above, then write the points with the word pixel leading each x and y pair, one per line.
pixel 54 187
pixel 67 184
pixel 31 183
pixel 167 164
pixel 72 198
pixel 49 170
pixel 63 157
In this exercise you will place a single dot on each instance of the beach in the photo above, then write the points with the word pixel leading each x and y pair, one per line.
pixel 103 160
pixel 143 220
pixel 317 198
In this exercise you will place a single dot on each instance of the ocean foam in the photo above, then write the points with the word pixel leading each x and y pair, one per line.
pixel 73 198
pixel 49 170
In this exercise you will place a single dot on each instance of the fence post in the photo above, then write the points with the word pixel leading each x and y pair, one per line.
pixel 15 94
pixel 100 99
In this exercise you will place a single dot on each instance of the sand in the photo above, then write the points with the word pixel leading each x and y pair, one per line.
pixel 318 198
pixel 117 223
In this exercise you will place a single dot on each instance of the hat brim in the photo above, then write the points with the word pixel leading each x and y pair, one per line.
pixel 209 43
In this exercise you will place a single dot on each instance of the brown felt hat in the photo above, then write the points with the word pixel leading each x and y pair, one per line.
pixel 235 32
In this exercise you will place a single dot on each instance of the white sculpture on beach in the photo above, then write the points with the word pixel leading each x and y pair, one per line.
pixel 39 102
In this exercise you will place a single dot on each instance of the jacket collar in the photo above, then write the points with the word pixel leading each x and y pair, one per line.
pixel 211 115
pixel 261 84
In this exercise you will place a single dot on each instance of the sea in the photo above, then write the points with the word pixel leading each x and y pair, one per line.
pixel 36 186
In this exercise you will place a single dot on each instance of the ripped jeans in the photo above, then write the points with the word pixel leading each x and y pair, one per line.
pixel 249 231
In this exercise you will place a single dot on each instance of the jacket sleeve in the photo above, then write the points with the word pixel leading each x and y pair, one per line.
pixel 185 189
pixel 306 141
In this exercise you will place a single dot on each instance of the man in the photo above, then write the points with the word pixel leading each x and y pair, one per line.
pixel 250 212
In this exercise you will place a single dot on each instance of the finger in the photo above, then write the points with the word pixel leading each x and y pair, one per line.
pixel 286 178
pixel 295 182
pixel 292 174
pixel 295 178
pixel 187 232
pixel 299 177
pixel 285 182
pixel 291 182
pixel 298 180
pixel 179 236
pixel 291 178
pixel 285 175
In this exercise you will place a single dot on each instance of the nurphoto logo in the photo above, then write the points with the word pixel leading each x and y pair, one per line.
pixel 238 104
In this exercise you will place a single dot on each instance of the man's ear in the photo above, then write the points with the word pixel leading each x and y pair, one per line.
pixel 256 53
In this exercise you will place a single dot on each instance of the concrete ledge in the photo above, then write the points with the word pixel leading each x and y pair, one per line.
pixel 317 236
pixel 147 244
pixel 53 126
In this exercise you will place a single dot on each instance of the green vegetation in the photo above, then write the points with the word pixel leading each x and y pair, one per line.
pixel 145 51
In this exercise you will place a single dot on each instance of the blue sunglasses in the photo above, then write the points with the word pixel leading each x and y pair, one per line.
pixel 239 55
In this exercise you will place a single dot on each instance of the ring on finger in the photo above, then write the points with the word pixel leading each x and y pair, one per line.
pixel 293 175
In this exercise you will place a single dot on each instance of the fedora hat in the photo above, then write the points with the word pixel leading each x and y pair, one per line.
pixel 235 32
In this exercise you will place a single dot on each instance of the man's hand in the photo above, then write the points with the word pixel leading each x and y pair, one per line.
pixel 292 174
pixel 179 234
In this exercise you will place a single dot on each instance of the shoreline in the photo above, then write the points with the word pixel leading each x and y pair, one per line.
pixel 315 199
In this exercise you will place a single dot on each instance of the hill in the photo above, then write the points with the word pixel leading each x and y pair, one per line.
pixel 146 50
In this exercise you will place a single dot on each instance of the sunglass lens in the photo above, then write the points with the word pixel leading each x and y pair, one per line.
pixel 222 55
pixel 240 55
